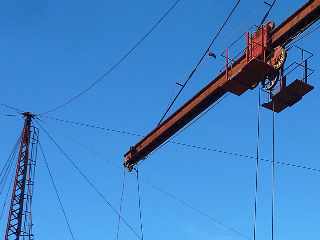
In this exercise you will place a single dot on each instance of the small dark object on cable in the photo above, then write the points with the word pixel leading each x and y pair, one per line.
pixel 211 54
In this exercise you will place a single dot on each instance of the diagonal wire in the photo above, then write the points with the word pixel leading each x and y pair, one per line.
pixel 139 203
pixel 118 62
pixel 273 173
pixel 6 199
pixel 191 123
pixel 268 12
pixel 121 202
pixel 17 110
pixel 8 115
pixel 94 126
pixel 87 179
pixel 187 145
pixel 4 174
pixel 199 62
pixel 257 166
pixel 197 210
pixel 165 193
pixel 160 190
pixel 56 191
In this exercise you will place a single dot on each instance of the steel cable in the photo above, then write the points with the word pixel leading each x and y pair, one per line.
pixel 4 174
pixel 187 145
pixel 257 166
pixel 166 193
pixel 273 173
pixel 87 179
pixel 6 199
pixel 268 12
pixel 184 203
pixel 121 202
pixel 200 61
pixel 17 110
pixel 56 191
pixel 118 62
pixel 139 204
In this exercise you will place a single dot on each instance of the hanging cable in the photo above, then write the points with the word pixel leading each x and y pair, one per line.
pixel 139 203
pixel 118 62
pixel 17 110
pixel 200 61
pixel 87 179
pixel 193 146
pixel 184 203
pixel 268 12
pixel 121 202
pixel 5 171
pixel 166 193
pixel 6 199
pixel 257 167
pixel 273 172
pixel 8 115
pixel 5 176
pixel 56 191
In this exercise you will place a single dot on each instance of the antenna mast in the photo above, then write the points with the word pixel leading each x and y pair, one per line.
pixel 19 225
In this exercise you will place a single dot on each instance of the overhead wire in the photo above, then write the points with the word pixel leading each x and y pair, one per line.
pixel 257 167
pixel 200 61
pixel 264 18
pixel 200 212
pixel 121 202
pixel 119 61
pixel 165 193
pixel 139 203
pixel 4 173
pixel 190 124
pixel 273 174
pixel 187 145
pixel 87 179
pixel 8 115
pixel 5 176
pixel 201 115
pixel 6 199
pixel 268 12
pixel 94 126
pixel 17 110
pixel 56 192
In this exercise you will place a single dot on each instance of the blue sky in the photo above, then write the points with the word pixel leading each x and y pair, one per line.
pixel 50 50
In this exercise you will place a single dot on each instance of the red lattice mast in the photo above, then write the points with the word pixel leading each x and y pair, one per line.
pixel 19 224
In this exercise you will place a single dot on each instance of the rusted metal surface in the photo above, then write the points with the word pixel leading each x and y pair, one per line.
pixel 296 23
pixel 248 77
pixel 280 36
pixel 231 80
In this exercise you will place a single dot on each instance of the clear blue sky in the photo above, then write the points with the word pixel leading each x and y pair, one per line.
pixel 50 50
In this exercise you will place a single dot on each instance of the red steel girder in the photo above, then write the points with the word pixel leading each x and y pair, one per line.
pixel 307 15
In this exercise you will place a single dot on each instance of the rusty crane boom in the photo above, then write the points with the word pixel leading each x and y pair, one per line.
pixel 261 62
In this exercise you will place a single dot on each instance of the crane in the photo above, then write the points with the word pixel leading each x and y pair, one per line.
pixel 261 62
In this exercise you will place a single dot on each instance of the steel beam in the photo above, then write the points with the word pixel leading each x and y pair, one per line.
pixel 282 35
